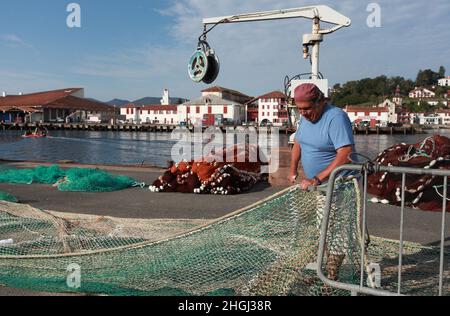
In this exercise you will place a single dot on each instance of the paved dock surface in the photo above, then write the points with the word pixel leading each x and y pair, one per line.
pixel 383 221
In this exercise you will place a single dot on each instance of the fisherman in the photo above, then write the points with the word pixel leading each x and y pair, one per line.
pixel 323 142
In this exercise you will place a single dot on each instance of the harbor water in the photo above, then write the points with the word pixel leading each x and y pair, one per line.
pixel 126 148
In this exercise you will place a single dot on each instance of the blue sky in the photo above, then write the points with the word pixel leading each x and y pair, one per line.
pixel 136 48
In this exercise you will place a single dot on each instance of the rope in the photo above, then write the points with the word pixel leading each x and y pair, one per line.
pixel 368 165
pixel 413 152
pixel 141 185
pixel 436 188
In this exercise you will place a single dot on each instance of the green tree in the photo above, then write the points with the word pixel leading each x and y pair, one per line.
pixel 440 91
pixel 370 90
pixel 442 72
pixel 427 78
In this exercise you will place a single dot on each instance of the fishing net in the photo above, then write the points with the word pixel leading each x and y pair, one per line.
pixel 7 197
pixel 267 249
pixel 74 180
pixel 425 191
pixel 40 175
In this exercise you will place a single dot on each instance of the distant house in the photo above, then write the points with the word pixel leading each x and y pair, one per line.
pixel 216 104
pixel 56 106
pixel 391 106
pixel 421 93
pixel 372 116
pixel 444 82
pixel 445 116
pixel 436 102
pixel 271 109
pixel 151 114
pixel 428 119
pixel 404 116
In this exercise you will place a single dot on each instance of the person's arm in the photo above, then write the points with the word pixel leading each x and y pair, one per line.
pixel 295 160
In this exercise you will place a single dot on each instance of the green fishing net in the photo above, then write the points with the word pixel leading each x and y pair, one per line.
pixel 74 180
pixel 267 249
pixel 7 197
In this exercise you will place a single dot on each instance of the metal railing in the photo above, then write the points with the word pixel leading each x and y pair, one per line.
pixel 361 288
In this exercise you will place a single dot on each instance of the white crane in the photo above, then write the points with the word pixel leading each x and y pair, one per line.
pixel 204 64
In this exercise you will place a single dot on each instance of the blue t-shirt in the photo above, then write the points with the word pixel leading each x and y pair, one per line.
pixel 321 140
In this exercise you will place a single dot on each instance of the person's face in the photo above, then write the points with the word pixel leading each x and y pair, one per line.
pixel 311 111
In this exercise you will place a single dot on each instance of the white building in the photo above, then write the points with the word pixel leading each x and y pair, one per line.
pixel 445 116
pixel 272 109
pixel 391 106
pixel 217 105
pixel 428 119
pixel 419 93
pixel 151 114
pixel 444 82
pixel 374 116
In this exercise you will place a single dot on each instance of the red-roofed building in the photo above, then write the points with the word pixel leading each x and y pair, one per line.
pixel 53 106
pixel 272 109
pixel 375 116
pixel 227 94
pixel 404 116
pixel 421 93
pixel 151 114
pixel 216 106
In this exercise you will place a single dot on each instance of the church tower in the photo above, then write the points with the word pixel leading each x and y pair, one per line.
pixel 398 100
pixel 166 98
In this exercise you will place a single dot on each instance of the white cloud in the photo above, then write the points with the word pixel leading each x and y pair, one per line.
pixel 14 41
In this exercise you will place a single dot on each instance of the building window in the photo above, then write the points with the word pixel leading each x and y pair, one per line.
pixel 198 110
pixel 225 110
pixel 128 111
pixel 209 110
pixel 188 110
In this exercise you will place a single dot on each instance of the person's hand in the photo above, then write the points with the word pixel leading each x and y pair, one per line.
pixel 308 183
pixel 292 178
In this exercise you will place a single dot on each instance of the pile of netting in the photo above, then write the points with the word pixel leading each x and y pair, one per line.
pixel 74 180
pixel 228 171
pixel 208 178
pixel 267 249
pixel 4 196
pixel 422 191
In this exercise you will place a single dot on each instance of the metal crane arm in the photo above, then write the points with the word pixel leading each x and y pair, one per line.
pixel 323 12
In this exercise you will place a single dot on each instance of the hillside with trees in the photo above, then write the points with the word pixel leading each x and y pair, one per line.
pixel 376 90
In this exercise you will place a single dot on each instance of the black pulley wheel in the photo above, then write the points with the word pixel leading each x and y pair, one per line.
pixel 213 69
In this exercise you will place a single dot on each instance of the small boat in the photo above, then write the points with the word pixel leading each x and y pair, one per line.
pixel 34 136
